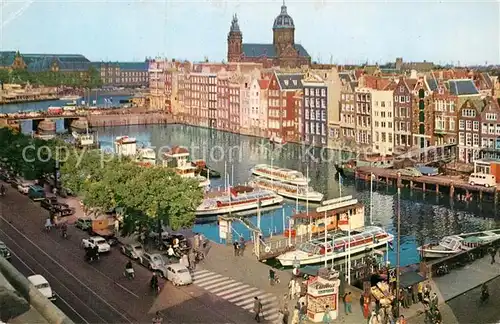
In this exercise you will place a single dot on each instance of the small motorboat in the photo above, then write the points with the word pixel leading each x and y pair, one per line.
pixel 277 140
pixel 203 170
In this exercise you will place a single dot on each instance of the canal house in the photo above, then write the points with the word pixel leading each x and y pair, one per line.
pixel 342 211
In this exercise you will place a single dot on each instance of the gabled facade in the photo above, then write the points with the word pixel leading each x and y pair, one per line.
pixel 348 112
pixel 422 114
pixel 315 115
pixel 490 126
pixel 469 130
pixel 263 108
pixel 445 105
pixel 383 122
pixel 363 106
pixel 223 103
pixel 403 98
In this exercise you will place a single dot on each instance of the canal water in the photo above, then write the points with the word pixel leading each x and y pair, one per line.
pixel 102 101
pixel 424 217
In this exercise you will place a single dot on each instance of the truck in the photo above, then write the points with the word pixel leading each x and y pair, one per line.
pixel 105 228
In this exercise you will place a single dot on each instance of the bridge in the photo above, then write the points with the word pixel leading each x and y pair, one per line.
pixel 431 154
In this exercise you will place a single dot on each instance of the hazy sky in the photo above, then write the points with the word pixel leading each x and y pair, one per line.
pixel 344 32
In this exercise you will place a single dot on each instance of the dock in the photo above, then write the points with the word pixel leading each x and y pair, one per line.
pixel 440 184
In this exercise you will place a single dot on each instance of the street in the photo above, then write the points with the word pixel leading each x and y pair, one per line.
pixel 98 292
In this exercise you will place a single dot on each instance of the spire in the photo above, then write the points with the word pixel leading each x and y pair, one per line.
pixel 235 28
pixel 283 8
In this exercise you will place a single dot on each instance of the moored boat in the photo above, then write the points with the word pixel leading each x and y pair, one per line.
pixel 453 244
pixel 277 140
pixel 288 190
pixel 280 174
pixel 125 145
pixel 348 168
pixel 338 245
pixel 239 198
pixel 205 171
pixel 70 97
pixel 178 159
pixel 146 156
pixel 70 106
pixel 84 139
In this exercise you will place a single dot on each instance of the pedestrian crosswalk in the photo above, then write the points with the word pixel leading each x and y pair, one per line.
pixel 237 293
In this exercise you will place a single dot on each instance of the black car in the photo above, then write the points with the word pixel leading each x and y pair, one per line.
pixel 48 202
pixel 4 251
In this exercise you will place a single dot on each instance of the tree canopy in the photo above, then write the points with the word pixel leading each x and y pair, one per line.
pixel 145 195
pixel 90 79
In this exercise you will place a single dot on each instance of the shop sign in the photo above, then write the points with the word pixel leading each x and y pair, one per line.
pixel 326 291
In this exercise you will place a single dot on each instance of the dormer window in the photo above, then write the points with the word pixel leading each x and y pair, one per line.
pixel 286 82
pixel 294 82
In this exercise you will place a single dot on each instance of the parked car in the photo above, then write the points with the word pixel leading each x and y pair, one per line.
pixel 482 179
pixel 4 251
pixel 133 251
pixel 179 275
pixel 428 171
pixel 43 286
pixel 98 241
pixel 24 187
pixel 154 262
pixel 62 210
pixel 410 172
pixel 36 193
pixel 48 202
pixel 83 224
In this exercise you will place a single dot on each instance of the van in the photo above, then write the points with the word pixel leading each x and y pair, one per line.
pixel 36 193
pixel 482 179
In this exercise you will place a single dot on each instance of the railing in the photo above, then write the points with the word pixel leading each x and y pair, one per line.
pixel 276 246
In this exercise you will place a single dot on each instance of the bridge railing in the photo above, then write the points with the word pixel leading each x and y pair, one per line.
pixel 278 245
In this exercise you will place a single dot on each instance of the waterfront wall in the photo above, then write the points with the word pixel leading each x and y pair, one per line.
pixel 39 302
pixel 146 118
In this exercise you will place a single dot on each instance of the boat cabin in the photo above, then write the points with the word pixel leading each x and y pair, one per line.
pixel 371 161
pixel 146 156
pixel 338 217
pixel 126 146
pixel 177 157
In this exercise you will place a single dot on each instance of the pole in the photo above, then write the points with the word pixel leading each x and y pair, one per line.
pixel 326 243
pixel 297 201
pixel 386 253
pixel 398 251
pixel 232 175
pixel 258 214
pixel 349 251
pixel 371 198
pixel 340 185
pixel 289 231
pixel 225 174
pixel 284 225
pixel 307 206
pixel 333 250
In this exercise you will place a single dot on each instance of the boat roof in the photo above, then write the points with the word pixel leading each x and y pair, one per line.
pixel 341 237
pixel 37 279
pixel 125 140
pixel 316 215
pixel 278 169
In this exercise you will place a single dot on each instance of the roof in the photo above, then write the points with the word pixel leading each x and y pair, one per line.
pixel 283 20
pixel 268 50
pixel 376 83
pixel 432 82
pixel 124 66
pixel 37 279
pixel 178 150
pixel 346 77
pixel 462 87
pixel 177 266
pixel 410 278
pixel 264 84
pixel 315 215
pixel 290 81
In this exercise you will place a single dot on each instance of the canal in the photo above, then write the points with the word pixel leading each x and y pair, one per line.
pixel 425 217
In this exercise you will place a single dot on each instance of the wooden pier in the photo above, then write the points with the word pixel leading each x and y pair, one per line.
pixel 440 184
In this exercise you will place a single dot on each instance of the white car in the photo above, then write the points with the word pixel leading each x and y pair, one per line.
pixel 102 244
pixel 24 187
pixel 179 275
pixel 43 286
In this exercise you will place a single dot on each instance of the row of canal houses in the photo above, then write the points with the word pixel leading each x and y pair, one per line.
pixel 382 113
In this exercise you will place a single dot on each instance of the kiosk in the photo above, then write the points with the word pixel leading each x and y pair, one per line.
pixel 322 291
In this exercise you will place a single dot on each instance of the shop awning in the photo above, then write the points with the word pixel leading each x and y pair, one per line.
pixel 408 279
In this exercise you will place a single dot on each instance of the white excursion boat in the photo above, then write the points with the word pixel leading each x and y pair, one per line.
pixel 277 140
pixel 146 156
pixel 126 146
pixel 454 244
pixel 288 190
pixel 178 159
pixel 280 174
pixel 239 198
pixel 316 251
pixel 70 97
pixel 85 139
pixel 70 106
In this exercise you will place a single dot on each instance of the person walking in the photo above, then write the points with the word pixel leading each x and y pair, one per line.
pixel 257 308
pixel 236 247
pixel 296 315
pixel 348 303
pixel 291 289
pixel 297 289
pixel 420 290
pixel 241 246
pixel 361 302
pixel 434 301
pixel 327 318
pixel 493 252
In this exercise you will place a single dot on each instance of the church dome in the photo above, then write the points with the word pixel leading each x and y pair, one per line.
pixel 283 20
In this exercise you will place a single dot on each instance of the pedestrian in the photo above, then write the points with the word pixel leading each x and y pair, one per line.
pixel 236 247
pixel 402 320
pixel 297 289
pixel 257 308
pixel 434 301
pixel 493 252
pixel 196 242
pixel 157 319
pixel 414 293
pixel 302 312
pixel 327 318
pixel 361 301
pixel 296 315
pixel 192 260
pixel 348 303
pixel 303 300
pixel 291 289
pixel 242 245
pixel 420 290
pixel 286 314
pixel 373 318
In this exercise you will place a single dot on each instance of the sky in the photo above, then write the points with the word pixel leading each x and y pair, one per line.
pixel 341 32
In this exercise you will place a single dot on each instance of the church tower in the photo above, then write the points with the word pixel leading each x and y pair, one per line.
pixel 283 31
pixel 234 42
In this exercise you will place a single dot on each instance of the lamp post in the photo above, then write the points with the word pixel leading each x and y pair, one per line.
pixel 398 256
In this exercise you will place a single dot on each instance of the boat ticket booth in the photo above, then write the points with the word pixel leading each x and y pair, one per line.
pixel 321 292
pixel 488 166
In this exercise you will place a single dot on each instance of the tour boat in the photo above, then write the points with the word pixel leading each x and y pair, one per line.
pixel 238 199
pixel 126 146
pixel 54 110
pixel 453 244
pixel 288 190
pixel 277 140
pixel 146 156
pixel 70 106
pixel 178 159
pixel 348 168
pixel 85 139
pixel 70 97
pixel 280 174
pixel 316 250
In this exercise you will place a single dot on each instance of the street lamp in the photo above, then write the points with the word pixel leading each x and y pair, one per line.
pixel 398 256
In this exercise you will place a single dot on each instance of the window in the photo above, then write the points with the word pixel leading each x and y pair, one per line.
pixel 306 102
pixel 376 124
pixel 421 117
pixel 491 117
pixel 312 115
pixel 452 106
pixel 382 104
pixel 323 92
pixel 469 113
pixel 468 125
pixel 317 92
pixel 452 124
pixel 461 138
pixel 307 114
pixel 382 114
pixel 476 126
pixel 475 140
pixel 407 98
pixel 461 124
pixel 323 115
pixel 401 99
pixel 396 98
pixel 389 124
pixel 389 114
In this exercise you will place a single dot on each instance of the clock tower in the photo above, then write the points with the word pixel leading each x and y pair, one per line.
pixel 283 31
